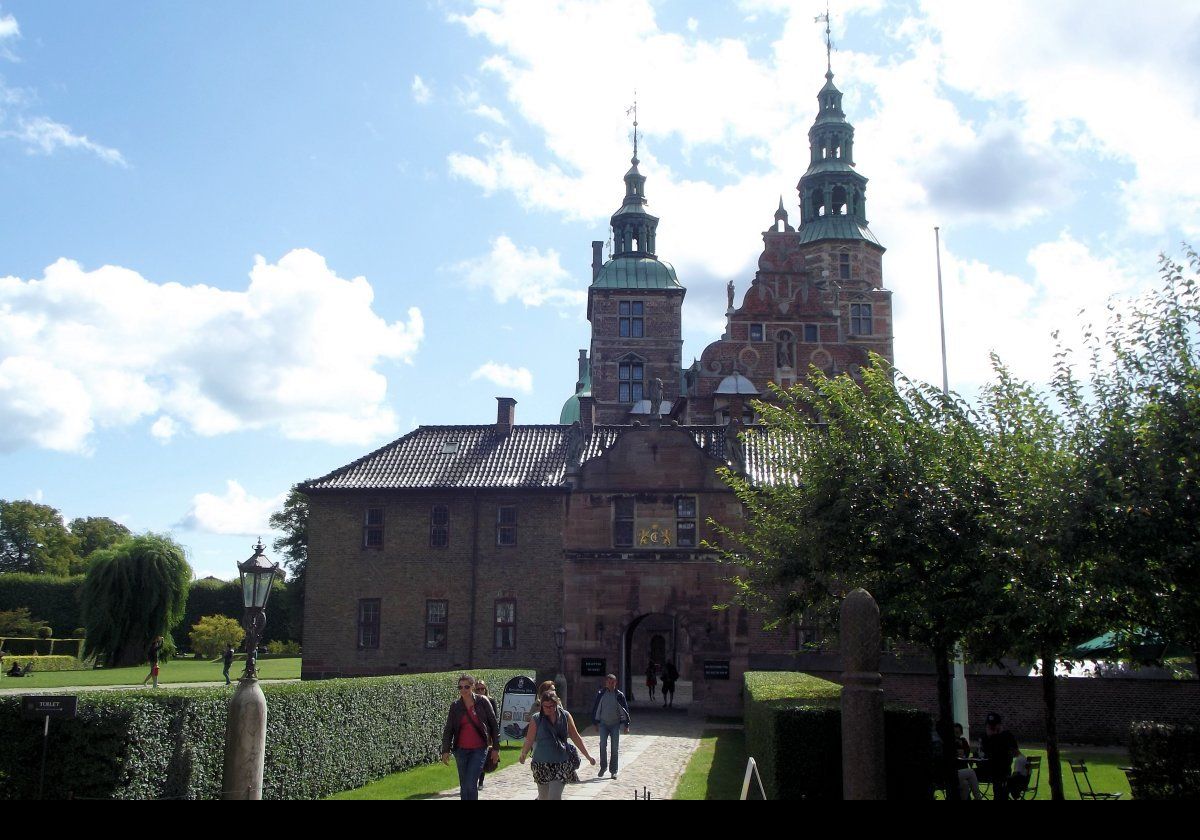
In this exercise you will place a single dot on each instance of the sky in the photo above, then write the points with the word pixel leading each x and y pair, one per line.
pixel 243 244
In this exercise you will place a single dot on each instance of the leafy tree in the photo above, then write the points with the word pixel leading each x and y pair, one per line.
pixel 1043 530
pixel 19 622
pixel 887 494
pixel 33 538
pixel 292 521
pixel 212 633
pixel 133 592
pixel 1150 402
pixel 97 532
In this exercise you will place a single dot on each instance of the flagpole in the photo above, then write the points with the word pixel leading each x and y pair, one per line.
pixel 958 686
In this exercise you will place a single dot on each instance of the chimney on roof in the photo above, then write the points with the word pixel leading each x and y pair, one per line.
pixel 597 257
pixel 587 415
pixel 506 415
pixel 583 366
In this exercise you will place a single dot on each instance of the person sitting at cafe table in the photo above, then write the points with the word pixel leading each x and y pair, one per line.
pixel 968 780
pixel 998 747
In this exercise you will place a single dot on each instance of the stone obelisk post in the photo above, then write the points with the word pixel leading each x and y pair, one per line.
pixel 863 774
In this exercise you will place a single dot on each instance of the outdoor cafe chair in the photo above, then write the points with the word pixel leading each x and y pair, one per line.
pixel 1035 777
pixel 1079 768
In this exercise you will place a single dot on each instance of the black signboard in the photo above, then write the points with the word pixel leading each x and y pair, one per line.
pixel 716 669
pixel 516 707
pixel 593 667
pixel 38 706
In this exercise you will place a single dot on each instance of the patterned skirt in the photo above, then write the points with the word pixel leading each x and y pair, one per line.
pixel 544 774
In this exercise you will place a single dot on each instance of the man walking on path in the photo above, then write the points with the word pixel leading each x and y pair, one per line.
pixel 610 712
pixel 228 658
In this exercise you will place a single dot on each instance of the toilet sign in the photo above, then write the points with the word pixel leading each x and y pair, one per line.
pixel 520 694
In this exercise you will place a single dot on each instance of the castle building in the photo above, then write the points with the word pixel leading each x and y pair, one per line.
pixel 577 547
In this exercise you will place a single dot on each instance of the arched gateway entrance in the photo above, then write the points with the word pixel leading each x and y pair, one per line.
pixel 656 638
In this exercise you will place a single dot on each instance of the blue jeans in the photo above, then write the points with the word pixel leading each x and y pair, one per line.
pixel 470 768
pixel 607 732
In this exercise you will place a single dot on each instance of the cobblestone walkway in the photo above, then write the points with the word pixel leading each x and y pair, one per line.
pixel 653 755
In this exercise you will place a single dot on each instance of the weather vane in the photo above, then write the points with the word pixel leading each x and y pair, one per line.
pixel 828 39
pixel 632 109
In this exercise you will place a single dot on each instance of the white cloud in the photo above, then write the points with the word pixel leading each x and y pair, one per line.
pixel 991 120
pixel 235 514
pixel 420 91
pixel 534 278
pixel 42 135
pixel 9 27
pixel 505 376
pixel 296 352
pixel 164 428
pixel 490 113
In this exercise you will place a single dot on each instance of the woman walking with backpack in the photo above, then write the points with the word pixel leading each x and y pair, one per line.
pixel 554 758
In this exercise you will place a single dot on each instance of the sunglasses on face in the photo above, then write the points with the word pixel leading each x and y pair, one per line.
pixel 464 687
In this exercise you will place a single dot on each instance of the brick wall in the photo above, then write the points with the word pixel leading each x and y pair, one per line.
pixel 1090 710
pixel 406 572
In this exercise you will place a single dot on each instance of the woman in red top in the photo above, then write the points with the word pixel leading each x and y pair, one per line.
pixel 471 731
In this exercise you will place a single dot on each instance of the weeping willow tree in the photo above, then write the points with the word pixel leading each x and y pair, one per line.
pixel 133 592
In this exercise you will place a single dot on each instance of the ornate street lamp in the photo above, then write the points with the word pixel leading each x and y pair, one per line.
pixel 246 726
pixel 560 679
pixel 258 575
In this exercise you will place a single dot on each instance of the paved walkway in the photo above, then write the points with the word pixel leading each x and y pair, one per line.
pixel 75 689
pixel 653 756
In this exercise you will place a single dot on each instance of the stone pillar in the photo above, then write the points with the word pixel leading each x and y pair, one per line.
pixel 245 742
pixel 863 775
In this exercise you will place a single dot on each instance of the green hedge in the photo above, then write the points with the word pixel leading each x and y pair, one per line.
pixel 1166 761
pixel 24 646
pixel 224 597
pixel 54 600
pixel 43 663
pixel 794 732
pixel 322 737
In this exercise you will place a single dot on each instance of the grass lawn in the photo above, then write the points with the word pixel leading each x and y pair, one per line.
pixel 716 768
pixel 1103 769
pixel 421 782
pixel 173 671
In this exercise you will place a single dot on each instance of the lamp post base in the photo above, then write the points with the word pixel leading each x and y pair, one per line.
pixel 245 742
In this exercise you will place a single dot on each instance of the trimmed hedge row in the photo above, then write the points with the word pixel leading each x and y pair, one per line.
pixel 41 647
pixel 54 600
pixel 44 663
pixel 1166 761
pixel 794 732
pixel 322 737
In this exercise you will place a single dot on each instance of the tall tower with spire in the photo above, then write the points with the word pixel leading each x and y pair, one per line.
pixel 635 303
pixel 817 298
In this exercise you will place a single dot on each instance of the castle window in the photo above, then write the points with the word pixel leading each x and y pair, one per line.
pixel 436 615
pixel 844 266
pixel 373 528
pixel 812 333
pixel 756 332
pixel 685 522
pixel 506 625
pixel 506 525
pixel 630 381
pixel 860 319
pixel 623 510
pixel 630 319
pixel 439 526
pixel 368 624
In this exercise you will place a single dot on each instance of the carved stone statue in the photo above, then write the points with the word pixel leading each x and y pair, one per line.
pixel 656 397
pixel 729 293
